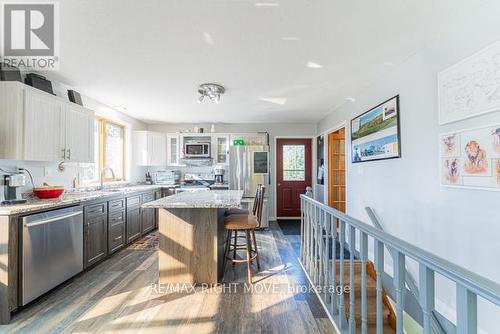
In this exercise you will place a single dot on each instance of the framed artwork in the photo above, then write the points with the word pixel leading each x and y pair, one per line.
pixel 471 158
pixel 470 87
pixel 375 135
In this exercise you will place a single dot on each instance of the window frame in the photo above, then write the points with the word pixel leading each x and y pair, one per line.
pixel 102 148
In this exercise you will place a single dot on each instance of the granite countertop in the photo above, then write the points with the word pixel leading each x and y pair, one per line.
pixel 213 199
pixel 69 198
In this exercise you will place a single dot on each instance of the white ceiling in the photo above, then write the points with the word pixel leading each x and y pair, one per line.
pixel 151 55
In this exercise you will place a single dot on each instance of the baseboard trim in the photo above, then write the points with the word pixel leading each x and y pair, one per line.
pixel 319 297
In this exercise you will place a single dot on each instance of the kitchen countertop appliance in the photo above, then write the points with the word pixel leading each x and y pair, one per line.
pixel 51 250
pixel 219 172
pixel 12 184
pixel 249 167
pixel 196 149
pixel 167 177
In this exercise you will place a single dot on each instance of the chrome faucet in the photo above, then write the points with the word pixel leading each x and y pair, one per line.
pixel 103 170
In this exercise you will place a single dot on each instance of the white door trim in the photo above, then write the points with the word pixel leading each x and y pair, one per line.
pixel 275 179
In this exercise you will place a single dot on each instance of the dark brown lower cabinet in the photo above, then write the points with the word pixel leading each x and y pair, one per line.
pixel 95 239
pixel 133 223
pixel 116 233
pixel 148 220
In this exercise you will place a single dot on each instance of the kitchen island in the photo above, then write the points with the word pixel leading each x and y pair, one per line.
pixel 191 229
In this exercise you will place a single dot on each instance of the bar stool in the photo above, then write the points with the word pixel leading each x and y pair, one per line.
pixel 238 211
pixel 244 223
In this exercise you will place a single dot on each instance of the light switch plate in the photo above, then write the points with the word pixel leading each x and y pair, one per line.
pixel 46 171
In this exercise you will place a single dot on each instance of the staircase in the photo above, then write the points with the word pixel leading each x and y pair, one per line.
pixel 389 315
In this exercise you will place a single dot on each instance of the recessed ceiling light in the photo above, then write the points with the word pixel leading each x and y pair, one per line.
pixel 120 108
pixel 311 64
pixel 267 4
pixel 275 100
pixel 290 39
pixel 350 99
pixel 208 38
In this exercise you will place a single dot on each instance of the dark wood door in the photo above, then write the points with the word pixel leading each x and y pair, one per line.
pixel 133 223
pixel 96 241
pixel 293 162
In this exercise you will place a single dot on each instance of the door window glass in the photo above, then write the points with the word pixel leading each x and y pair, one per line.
pixel 294 166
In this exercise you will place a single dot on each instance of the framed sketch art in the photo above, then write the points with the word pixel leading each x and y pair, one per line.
pixel 471 158
pixel 375 135
pixel 470 87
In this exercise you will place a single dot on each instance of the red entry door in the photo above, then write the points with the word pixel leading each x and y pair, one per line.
pixel 293 162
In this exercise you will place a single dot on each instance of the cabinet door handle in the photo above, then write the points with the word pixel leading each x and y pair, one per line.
pixel 63 154
pixel 69 154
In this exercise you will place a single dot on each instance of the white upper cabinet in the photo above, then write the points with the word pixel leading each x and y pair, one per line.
pixel 173 149
pixel 220 148
pixel 80 134
pixel 41 127
pixel 150 148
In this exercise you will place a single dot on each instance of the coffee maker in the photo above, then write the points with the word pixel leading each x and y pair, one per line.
pixel 12 184
pixel 219 172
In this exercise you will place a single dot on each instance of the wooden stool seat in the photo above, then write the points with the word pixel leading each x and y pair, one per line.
pixel 236 211
pixel 240 222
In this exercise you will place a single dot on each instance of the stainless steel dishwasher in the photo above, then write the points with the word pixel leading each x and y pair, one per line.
pixel 52 250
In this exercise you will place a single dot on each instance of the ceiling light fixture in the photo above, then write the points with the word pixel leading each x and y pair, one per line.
pixel 290 39
pixel 211 91
pixel 267 4
pixel 120 108
pixel 274 100
pixel 350 99
pixel 312 64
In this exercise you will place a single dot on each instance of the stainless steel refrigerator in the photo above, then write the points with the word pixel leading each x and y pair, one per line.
pixel 248 167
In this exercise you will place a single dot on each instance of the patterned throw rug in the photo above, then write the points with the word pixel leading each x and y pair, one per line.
pixel 149 242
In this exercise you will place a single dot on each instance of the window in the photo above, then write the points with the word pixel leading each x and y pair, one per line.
pixel 294 166
pixel 110 149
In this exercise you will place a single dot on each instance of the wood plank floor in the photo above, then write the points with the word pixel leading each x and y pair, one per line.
pixel 120 295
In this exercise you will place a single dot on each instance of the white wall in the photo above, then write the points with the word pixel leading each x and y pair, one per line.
pixel 274 130
pixel 459 225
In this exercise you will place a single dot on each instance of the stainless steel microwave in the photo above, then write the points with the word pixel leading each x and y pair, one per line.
pixel 197 150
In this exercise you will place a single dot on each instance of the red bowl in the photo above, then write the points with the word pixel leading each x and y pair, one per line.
pixel 52 192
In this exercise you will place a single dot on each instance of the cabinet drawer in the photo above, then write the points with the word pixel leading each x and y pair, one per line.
pixel 116 218
pixel 148 197
pixel 117 205
pixel 96 210
pixel 116 236
pixel 133 201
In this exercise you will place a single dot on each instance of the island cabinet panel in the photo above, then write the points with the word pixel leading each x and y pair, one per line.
pixel 133 220
pixel 95 236
pixel 188 246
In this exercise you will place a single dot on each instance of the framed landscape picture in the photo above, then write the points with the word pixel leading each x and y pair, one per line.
pixel 375 135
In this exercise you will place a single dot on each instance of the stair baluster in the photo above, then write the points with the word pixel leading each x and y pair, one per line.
pixel 379 267
pixel 364 306
pixel 399 280
pixel 426 288
pixel 466 311
pixel 352 293
pixel 335 295
pixel 341 275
